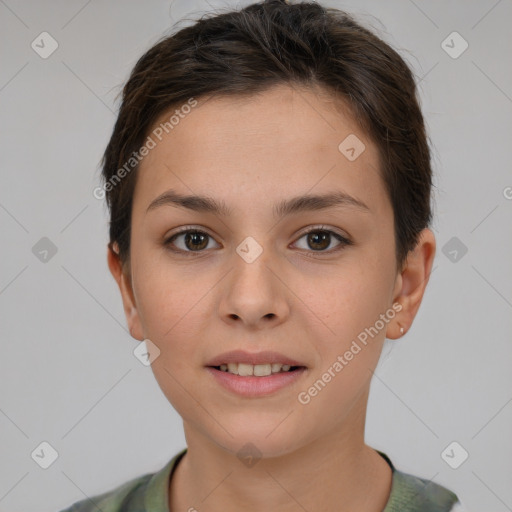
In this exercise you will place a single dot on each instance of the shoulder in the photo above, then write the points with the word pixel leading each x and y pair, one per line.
pixel 146 492
pixel 412 493
pixel 122 498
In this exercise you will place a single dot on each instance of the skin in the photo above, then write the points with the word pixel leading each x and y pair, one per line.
pixel 308 302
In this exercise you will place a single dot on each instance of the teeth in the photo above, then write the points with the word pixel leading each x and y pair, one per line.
pixel 258 370
pixel 262 370
pixel 245 370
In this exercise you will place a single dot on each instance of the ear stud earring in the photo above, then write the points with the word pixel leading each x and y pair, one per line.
pixel 401 330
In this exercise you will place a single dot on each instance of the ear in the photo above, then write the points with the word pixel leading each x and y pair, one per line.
pixel 123 279
pixel 411 283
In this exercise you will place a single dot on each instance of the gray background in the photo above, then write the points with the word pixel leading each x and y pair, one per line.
pixel 68 375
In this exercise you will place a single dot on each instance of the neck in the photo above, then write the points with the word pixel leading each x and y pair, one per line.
pixel 335 472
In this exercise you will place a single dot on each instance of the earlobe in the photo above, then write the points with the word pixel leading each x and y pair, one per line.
pixel 123 280
pixel 412 283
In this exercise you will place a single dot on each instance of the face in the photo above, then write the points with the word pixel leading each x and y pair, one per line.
pixel 305 283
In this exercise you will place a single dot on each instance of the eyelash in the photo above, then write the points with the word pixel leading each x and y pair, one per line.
pixel 317 229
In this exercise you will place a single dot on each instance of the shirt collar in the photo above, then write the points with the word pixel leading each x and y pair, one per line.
pixel 156 497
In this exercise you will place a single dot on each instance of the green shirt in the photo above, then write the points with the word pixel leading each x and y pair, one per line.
pixel 150 493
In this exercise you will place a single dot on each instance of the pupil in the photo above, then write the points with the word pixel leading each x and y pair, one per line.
pixel 316 240
pixel 195 237
pixel 313 237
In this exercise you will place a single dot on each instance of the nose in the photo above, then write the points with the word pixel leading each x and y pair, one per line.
pixel 254 294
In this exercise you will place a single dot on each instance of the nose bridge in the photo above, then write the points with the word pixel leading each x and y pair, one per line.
pixel 251 261
pixel 254 291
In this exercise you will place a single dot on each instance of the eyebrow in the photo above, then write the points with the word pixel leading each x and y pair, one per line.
pixel 283 208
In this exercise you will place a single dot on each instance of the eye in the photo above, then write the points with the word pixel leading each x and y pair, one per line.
pixel 318 239
pixel 193 241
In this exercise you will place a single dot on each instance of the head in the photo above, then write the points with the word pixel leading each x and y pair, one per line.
pixel 251 110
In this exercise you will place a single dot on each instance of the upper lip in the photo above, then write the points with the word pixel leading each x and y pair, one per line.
pixel 241 356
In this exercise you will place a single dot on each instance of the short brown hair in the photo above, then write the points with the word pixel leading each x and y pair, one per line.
pixel 243 52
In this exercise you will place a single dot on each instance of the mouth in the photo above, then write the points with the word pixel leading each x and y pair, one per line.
pixel 256 381
pixel 255 374
pixel 242 362
pixel 257 370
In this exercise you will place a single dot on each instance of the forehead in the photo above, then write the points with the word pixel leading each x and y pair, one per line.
pixel 247 150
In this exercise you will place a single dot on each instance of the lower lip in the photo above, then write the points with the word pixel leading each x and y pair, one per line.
pixel 255 386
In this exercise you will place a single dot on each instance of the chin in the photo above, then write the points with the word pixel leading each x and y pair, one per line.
pixel 259 441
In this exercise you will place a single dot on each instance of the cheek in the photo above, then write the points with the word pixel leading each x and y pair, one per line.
pixel 347 361
pixel 173 315
pixel 334 395
pixel 349 301
pixel 169 300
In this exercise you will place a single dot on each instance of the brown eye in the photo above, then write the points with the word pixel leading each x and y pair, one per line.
pixel 189 241
pixel 196 240
pixel 318 240
pixel 192 241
